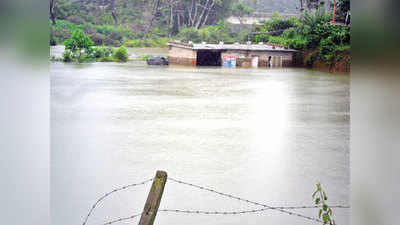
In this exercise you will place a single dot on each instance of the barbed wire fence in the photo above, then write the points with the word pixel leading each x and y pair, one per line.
pixel 264 207
pixel 112 192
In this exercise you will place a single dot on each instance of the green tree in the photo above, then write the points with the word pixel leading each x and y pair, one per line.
pixel 275 26
pixel 78 42
pixel 240 11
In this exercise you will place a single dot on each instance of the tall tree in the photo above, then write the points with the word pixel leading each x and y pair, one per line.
pixel 343 10
pixel 240 11
pixel 113 11
pixel 156 8
pixel 301 5
pixel 52 17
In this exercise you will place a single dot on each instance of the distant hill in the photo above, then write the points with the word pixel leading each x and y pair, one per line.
pixel 271 6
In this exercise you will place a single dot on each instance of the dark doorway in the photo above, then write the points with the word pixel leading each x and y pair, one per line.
pixel 208 58
pixel 269 61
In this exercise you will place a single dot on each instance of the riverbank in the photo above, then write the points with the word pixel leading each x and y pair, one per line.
pixel 341 64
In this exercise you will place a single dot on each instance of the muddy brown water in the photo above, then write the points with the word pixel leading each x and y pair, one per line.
pixel 267 135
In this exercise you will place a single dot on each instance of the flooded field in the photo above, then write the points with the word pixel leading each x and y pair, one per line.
pixel 267 135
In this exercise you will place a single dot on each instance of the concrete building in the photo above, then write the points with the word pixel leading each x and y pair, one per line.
pixel 230 55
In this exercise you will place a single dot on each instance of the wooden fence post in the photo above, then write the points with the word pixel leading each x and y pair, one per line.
pixel 153 199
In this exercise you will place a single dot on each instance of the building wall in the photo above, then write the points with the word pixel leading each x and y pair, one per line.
pixel 181 56
pixel 278 59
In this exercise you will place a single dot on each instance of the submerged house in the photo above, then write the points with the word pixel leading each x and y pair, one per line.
pixel 230 55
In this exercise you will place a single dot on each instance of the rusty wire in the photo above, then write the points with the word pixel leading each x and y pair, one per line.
pixel 265 207
pixel 109 193
pixel 283 209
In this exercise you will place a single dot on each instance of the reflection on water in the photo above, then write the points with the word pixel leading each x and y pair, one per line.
pixel 265 135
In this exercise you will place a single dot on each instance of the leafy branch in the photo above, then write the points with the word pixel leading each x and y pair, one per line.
pixel 325 211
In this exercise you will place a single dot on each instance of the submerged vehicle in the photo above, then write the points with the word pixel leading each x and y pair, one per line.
pixel 157 60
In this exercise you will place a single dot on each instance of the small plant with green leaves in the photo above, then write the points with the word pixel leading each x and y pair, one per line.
pixel 325 211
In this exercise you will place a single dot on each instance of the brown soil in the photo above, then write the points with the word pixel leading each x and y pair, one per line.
pixel 339 67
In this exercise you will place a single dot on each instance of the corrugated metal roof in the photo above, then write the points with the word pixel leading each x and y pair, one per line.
pixel 245 47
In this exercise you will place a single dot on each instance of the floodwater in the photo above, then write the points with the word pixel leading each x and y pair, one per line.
pixel 267 135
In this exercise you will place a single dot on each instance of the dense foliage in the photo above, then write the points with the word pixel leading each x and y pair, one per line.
pixel 211 34
pixel 310 32
pixel 140 23
pixel 79 48
pixel 112 22
pixel 99 34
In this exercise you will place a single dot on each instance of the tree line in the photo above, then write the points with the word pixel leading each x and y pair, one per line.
pixel 141 23
pixel 142 15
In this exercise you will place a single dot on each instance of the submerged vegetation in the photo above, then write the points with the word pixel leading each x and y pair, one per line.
pixel 79 48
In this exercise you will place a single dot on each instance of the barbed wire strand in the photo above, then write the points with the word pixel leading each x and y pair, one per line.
pixel 122 219
pixel 286 207
pixel 265 207
pixel 214 212
pixel 109 193
pixel 237 212
pixel 280 209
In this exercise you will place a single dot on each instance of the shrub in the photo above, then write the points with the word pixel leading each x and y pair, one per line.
pixel 142 43
pixel 134 43
pixel 277 40
pixel 98 52
pixel 210 34
pixel 189 34
pixel 310 59
pixel 327 50
pixel 297 43
pixel 277 23
pixel 243 36
pixel 107 59
pixel 312 31
pixel 67 56
pixel 100 34
pixel 101 52
pixel 121 54
pixel 75 19
pixel 97 38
